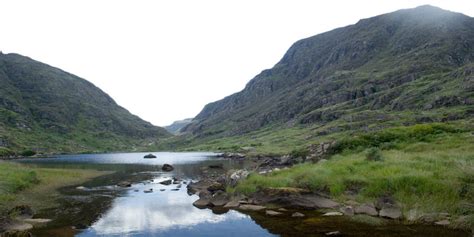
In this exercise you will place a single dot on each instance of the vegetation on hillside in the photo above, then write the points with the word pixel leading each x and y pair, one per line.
pixel 44 109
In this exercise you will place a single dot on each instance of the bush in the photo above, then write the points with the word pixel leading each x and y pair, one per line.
pixel 28 153
pixel 373 154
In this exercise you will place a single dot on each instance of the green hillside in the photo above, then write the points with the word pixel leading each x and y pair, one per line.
pixel 45 109
pixel 406 67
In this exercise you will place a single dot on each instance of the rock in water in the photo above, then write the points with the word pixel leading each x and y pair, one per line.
pixel 272 213
pixel 167 182
pixel 202 202
pixel 124 184
pixel 167 167
pixel 149 156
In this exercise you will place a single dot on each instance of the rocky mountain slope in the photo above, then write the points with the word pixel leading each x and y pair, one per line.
pixel 46 109
pixel 176 126
pixel 409 66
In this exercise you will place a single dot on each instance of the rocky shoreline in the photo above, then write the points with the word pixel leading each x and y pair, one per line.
pixel 289 201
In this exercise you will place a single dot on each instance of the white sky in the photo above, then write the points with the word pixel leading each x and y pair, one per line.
pixel 164 60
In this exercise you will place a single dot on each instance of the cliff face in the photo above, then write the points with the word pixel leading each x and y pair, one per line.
pixel 39 101
pixel 408 60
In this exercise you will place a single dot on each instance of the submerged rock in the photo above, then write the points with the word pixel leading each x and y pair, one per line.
pixel 124 184
pixel 272 213
pixel 167 167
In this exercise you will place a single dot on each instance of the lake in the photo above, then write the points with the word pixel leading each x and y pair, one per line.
pixel 101 208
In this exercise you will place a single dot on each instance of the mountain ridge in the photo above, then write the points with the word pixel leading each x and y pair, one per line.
pixel 362 64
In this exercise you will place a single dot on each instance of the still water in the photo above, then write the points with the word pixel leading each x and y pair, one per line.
pixel 101 208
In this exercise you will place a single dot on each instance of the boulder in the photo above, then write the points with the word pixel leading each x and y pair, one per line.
pixel 167 167
pixel 215 186
pixel 391 212
pixel 202 203
pixel 347 210
pixel 219 199
pixel 249 207
pixel 366 209
pixel 272 213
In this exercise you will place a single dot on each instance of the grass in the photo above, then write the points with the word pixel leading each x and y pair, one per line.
pixel 429 168
pixel 22 184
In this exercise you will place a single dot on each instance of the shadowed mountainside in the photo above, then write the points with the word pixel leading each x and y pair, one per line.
pixel 46 109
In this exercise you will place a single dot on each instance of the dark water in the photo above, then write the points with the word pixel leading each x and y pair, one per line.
pixel 103 209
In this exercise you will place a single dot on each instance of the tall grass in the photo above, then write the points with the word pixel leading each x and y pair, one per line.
pixel 431 173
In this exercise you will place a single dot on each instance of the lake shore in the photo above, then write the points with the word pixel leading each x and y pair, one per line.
pixel 37 188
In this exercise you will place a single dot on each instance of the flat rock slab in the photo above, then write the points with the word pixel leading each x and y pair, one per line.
pixel 232 204
pixel 391 212
pixel 272 213
pixel 249 207
pixel 333 213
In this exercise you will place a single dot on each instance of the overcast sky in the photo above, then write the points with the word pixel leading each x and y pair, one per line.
pixel 164 60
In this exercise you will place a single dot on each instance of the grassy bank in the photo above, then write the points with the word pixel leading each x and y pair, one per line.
pixel 37 187
pixel 427 168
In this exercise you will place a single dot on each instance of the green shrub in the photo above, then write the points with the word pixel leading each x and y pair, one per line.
pixel 28 153
pixel 373 154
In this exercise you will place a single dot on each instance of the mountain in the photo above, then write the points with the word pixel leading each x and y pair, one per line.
pixel 405 67
pixel 176 126
pixel 46 109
